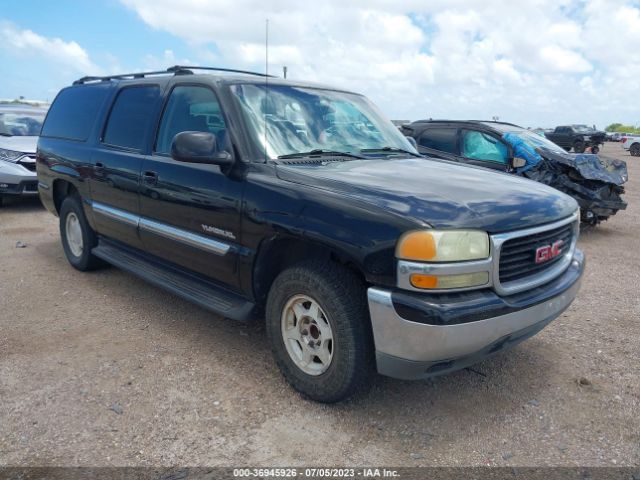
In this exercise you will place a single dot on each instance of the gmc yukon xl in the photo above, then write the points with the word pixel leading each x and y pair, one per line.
pixel 256 197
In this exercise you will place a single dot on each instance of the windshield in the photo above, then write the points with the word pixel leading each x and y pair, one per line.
pixel 537 141
pixel 582 128
pixel 21 123
pixel 288 120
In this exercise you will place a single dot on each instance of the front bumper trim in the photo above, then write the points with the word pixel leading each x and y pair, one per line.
pixel 412 350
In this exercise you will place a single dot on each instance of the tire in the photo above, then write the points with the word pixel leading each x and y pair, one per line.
pixel 77 237
pixel 595 149
pixel 342 316
pixel 578 147
pixel 635 150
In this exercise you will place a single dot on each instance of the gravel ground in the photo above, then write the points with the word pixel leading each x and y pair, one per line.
pixel 104 369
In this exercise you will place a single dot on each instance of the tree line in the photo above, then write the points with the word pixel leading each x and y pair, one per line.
pixel 619 127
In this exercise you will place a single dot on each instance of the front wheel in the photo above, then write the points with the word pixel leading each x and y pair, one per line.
pixel 78 238
pixel 578 147
pixel 319 330
pixel 635 150
pixel 595 149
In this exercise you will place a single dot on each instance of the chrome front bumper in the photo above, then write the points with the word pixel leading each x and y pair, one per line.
pixel 410 350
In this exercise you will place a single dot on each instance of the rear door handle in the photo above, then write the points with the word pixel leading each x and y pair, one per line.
pixel 150 178
pixel 98 169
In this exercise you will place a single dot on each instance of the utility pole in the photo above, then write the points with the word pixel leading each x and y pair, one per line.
pixel 284 71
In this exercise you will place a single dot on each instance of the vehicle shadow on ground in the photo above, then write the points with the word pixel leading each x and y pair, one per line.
pixel 498 387
pixel 591 233
pixel 18 205
pixel 521 370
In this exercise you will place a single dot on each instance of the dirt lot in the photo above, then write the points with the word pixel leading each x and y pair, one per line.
pixel 104 369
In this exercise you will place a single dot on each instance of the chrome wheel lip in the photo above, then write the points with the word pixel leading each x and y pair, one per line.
pixel 73 232
pixel 307 334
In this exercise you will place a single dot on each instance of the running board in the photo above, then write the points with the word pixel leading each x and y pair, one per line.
pixel 188 286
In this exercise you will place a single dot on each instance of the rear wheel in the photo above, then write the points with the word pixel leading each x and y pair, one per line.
pixel 78 238
pixel 635 150
pixel 319 330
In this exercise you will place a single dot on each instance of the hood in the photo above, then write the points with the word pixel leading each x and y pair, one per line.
pixel 19 143
pixel 439 193
pixel 591 166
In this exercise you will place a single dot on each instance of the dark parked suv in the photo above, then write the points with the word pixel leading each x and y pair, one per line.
pixel 260 197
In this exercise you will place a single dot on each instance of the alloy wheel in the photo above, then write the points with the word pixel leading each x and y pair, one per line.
pixel 307 335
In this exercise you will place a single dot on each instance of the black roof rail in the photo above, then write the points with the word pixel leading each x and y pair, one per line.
pixel 175 70
pixel 444 120
pixel 183 68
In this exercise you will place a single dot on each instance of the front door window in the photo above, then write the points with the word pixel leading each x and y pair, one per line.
pixel 482 146
pixel 190 108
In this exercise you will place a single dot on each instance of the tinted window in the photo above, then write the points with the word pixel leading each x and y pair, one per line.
pixel 190 108
pixel 481 146
pixel 74 112
pixel 131 117
pixel 443 139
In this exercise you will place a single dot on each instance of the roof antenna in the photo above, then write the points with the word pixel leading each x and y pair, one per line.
pixel 266 87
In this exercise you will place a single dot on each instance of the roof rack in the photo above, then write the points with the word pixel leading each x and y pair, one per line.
pixel 175 70
pixel 444 120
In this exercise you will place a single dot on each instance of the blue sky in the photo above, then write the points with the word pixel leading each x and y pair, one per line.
pixel 113 34
pixel 536 63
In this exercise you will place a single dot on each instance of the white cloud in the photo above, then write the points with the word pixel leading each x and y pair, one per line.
pixel 564 60
pixel 536 63
pixel 66 53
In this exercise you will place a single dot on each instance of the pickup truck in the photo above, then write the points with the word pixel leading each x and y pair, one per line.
pixel 578 137
pixel 261 198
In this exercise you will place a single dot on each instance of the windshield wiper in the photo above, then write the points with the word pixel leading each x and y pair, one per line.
pixel 321 152
pixel 390 149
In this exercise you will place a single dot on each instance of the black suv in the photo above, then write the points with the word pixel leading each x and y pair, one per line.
pixel 595 182
pixel 259 197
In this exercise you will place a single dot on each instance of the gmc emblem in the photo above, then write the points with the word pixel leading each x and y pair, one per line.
pixel 546 253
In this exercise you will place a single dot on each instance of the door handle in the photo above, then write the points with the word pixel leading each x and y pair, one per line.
pixel 150 178
pixel 98 169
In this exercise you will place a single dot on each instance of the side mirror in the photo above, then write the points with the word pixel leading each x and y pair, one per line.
pixel 518 162
pixel 413 142
pixel 199 147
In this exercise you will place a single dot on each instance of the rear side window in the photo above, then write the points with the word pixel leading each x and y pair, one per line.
pixel 442 139
pixel 131 116
pixel 74 112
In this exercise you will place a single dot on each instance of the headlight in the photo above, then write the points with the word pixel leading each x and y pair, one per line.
pixel 10 155
pixel 443 245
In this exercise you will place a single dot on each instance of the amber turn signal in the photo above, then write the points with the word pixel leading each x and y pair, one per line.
pixel 424 281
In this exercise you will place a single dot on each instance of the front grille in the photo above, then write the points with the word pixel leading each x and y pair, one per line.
pixel 30 186
pixel 518 255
